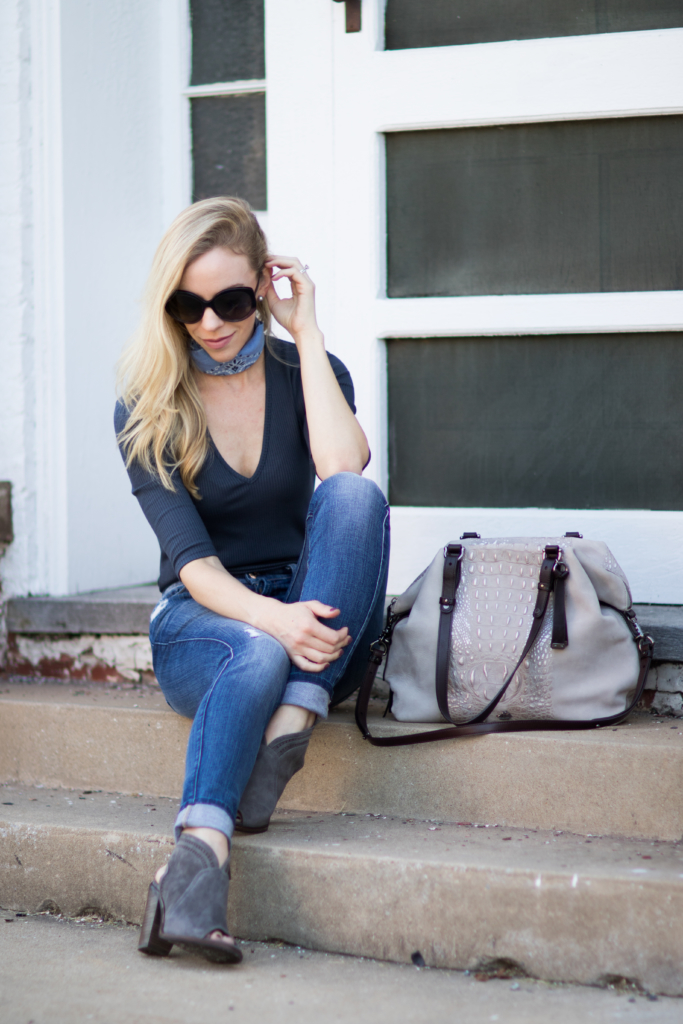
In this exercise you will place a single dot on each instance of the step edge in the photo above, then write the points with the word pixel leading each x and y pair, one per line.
pixel 287 851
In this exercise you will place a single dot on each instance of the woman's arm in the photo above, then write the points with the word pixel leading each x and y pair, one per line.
pixel 174 518
pixel 310 644
pixel 337 441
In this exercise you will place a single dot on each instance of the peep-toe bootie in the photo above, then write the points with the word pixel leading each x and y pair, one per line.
pixel 276 763
pixel 188 904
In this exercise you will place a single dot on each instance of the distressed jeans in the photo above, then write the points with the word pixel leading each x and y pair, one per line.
pixel 230 677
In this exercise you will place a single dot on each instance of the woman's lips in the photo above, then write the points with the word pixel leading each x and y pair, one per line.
pixel 218 342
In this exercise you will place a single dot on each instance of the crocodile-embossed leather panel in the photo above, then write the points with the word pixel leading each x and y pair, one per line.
pixel 491 623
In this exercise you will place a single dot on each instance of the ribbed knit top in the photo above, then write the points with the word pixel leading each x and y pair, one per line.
pixel 252 523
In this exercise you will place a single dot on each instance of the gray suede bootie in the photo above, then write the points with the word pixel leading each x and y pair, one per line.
pixel 188 904
pixel 275 764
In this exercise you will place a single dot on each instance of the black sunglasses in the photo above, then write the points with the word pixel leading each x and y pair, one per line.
pixel 231 305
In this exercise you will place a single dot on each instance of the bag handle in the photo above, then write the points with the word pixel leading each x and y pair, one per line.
pixel 553 576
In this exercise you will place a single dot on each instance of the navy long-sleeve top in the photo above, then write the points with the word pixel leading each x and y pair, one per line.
pixel 252 523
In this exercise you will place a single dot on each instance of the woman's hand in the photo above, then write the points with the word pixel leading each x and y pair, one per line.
pixel 296 315
pixel 310 644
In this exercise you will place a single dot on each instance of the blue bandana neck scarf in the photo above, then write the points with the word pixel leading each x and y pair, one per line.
pixel 245 358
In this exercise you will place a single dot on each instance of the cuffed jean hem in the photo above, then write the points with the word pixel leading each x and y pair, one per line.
pixel 204 816
pixel 307 695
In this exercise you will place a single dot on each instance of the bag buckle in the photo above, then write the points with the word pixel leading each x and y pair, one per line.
pixel 646 644
pixel 559 569
pixel 378 649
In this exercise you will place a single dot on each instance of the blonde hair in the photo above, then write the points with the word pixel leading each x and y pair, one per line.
pixel 166 428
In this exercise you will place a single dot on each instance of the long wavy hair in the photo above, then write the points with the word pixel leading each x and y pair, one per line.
pixel 166 428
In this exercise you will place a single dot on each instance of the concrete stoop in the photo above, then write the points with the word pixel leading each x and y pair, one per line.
pixel 528 857
pixel 549 905
pixel 623 781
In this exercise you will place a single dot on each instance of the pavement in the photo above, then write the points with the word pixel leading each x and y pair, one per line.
pixel 59 971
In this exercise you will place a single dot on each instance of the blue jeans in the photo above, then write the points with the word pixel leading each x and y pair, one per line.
pixel 230 677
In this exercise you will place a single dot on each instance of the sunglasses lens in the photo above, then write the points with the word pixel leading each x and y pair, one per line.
pixel 235 304
pixel 185 307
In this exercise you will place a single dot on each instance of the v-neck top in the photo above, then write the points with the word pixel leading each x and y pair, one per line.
pixel 253 524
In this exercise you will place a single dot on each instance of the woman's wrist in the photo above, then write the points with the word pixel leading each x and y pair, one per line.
pixel 260 612
pixel 309 337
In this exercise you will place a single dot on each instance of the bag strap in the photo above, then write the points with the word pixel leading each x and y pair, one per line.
pixel 548 581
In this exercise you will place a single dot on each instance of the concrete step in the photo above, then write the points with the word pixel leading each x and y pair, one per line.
pixel 101 636
pixel 127 609
pixel 92 971
pixel 625 781
pixel 122 610
pixel 551 905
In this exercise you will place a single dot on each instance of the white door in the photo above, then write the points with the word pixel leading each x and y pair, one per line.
pixel 333 98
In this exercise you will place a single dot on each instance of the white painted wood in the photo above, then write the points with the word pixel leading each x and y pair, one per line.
pixel 226 88
pixel 492 83
pixel 18 566
pixel 51 543
pixel 606 75
pixel 533 314
pixel 176 142
pixel 648 545
pixel 112 203
pixel 300 127
pixel 360 219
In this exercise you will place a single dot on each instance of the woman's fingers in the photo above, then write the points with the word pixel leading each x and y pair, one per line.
pixel 306 638
pixel 321 658
pixel 323 646
pixel 325 611
pixel 307 666
pixel 288 266
pixel 321 638
pixel 324 637
pixel 296 277
pixel 284 261
pixel 315 661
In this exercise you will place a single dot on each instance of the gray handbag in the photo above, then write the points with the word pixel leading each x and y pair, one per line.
pixel 512 634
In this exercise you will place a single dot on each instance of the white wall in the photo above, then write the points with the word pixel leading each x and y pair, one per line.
pixel 83 204
pixel 17 437
pixel 112 223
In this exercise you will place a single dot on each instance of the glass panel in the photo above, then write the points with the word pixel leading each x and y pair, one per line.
pixel 410 24
pixel 574 421
pixel 229 147
pixel 570 206
pixel 227 40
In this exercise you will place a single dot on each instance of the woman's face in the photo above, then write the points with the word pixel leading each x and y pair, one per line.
pixel 209 274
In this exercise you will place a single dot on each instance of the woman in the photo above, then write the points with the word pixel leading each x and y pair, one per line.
pixel 271 591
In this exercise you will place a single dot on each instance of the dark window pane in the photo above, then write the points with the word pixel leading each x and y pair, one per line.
pixel 573 206
pixel 229 147
pixel 416 23
pixel 576 421
pixel 227 40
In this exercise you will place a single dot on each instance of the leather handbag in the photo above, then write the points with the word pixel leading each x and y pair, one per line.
pixel 511 634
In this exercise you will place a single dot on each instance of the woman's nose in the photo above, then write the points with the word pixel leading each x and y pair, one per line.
pixel 210 322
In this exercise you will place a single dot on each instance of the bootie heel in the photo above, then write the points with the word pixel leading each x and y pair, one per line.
pixel 275 765
pixel 191 904
pixel 150 942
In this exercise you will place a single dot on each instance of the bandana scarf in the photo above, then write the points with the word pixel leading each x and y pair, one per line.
pixel 245 358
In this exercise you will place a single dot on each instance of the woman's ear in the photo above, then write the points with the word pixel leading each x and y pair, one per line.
pixel 264 283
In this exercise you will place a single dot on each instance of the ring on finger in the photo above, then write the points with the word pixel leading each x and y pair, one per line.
pixel 304 269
